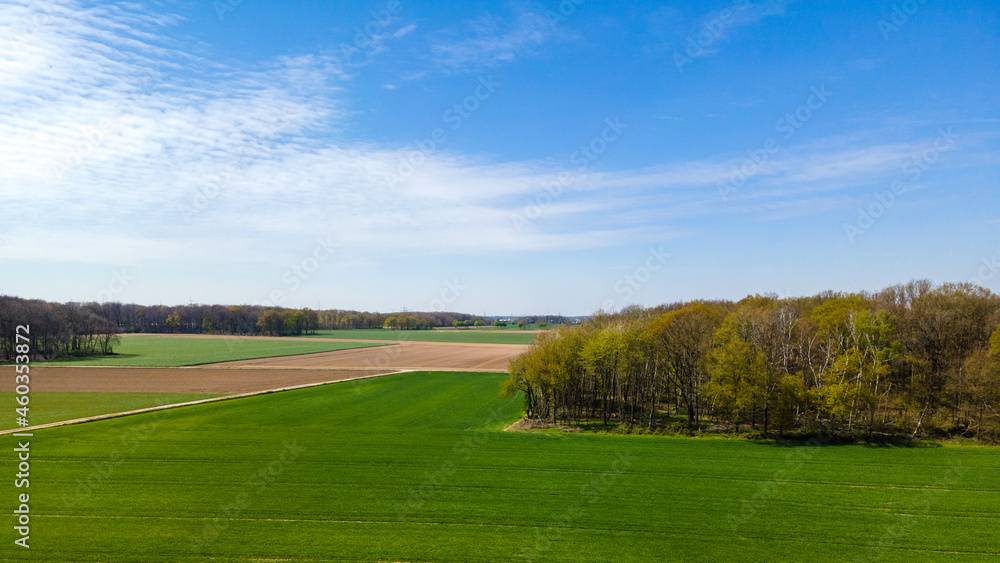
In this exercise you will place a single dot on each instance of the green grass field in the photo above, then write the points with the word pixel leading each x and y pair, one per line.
pixel 472 336
pixel 156 351
pixel 513 327
pixel 415 467
pixel 48 407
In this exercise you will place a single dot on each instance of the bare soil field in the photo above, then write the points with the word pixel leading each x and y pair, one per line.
pixel 263 374
pixel 174 380
pixel 436 356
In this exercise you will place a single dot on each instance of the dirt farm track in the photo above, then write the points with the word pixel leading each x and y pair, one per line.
pixel 174 380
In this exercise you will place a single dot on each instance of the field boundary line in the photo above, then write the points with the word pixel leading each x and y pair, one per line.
pixel 108 416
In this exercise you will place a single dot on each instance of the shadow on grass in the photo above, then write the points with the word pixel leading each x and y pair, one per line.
pixel 73 360
pixel 886 441
pixel 675 427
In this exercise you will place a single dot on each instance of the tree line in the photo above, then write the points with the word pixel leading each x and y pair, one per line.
pixel 56 329
pixel 340 319
pixel 84 329
pixel 910 360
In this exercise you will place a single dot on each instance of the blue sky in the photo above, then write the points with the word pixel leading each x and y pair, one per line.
pixel 504 157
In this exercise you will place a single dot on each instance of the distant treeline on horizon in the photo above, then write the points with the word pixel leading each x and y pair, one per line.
pixel 90 329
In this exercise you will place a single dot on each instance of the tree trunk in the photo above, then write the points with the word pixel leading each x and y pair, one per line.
pixel 652 407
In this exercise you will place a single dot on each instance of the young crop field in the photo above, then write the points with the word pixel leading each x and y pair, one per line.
pixel 56 406
pixel 471 336
pixel 158 351
pixel 417 467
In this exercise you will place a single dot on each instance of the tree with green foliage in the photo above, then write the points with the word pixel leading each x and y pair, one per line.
pixel 174 322
pixel 311 321
pixel 602 357
pixel 544 374
pixel 680 342
pixel 271 323
pixel 914 359
pixel 735 388
pixel 980 382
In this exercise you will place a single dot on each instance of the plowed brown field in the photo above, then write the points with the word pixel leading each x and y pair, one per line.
pixel 271 373
pixel 263 374
pixel 438 356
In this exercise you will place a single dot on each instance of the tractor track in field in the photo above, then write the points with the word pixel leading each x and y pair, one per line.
pixel 200 379
pixel 188 403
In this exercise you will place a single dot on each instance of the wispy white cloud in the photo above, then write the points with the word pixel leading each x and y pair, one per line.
pixel 415 75
pixel 404 31
pixel 748 13
pixel 706 35
pixel 107 134
pixel 493 42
